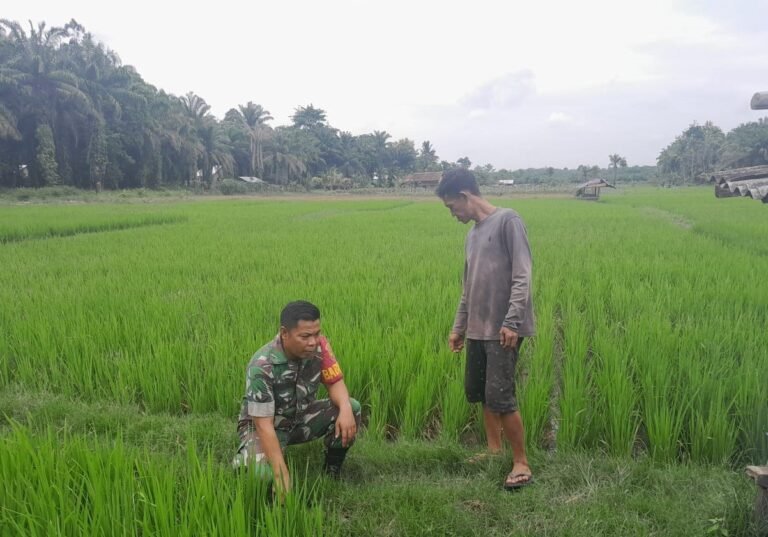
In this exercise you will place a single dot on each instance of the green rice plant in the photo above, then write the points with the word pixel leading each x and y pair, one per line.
pixel 19 224
pixel 711 429
pixel 617 395
pixel 665 403
pixel 536 392
pixel 575 392
pixel 69 486
pixel 476 426
pixel 456 411
pixel 419 402
pixel 166 316
pixel 377 419
pixel 751 406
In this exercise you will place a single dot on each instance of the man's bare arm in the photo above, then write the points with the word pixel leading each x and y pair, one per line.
pixel 346 427
pixel 265 428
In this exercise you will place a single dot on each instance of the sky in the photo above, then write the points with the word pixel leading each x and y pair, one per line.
pixel 516 84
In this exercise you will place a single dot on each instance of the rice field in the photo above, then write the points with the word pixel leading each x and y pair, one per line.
pixel 651 308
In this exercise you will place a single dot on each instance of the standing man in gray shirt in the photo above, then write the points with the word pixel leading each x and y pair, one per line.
pixel 495 313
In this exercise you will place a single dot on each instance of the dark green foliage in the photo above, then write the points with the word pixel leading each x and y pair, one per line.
pixel 45 158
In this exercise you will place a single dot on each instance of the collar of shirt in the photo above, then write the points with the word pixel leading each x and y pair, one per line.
pixel 277 353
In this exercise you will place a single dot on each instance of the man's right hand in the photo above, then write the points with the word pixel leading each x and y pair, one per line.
pixel 270 445
pixel 282 482
pixel 455 342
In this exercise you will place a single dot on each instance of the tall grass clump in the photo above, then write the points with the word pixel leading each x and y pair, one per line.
pixel 72 487
pixel 616 395
pixel 575 394
pixel 536 392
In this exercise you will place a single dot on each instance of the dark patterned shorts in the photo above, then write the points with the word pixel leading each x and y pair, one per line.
pixel 489 377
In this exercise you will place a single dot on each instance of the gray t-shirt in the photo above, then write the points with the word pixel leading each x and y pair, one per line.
pixel 497 279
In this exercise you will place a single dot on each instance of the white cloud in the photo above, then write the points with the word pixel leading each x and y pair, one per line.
pixel 504 92
pixel 559 117
pixel 476 113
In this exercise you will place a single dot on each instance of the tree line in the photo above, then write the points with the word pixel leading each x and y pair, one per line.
pixel 72 114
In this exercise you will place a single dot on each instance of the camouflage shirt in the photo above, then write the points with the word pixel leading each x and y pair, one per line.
pixel 284 388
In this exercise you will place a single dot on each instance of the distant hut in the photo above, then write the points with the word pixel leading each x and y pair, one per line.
pixel 422 180
pixel 591 189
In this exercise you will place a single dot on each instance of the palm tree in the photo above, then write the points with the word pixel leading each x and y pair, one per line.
pixel 8 129
pixel 214 143
pixel 46 92
pixel 402 156
pixel 380 138
pixel 308 117
pixel 185 147
pixel 255 118
pixel 112 88
pixel 351 164
pixel 380 146
pixel 616 160
pixel 216 149
pixel 99 73
pixel 283 160
pixel 195 106
pixel 586 169
pixel 427 156
pixel 285 167
pixel 33 68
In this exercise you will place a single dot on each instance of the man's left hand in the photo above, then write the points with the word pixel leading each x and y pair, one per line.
pixel 346 428
pixel 508 338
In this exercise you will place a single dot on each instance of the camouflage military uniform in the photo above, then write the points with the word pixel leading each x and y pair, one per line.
pixel 286 389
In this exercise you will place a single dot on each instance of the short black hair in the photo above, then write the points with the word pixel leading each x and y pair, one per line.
pixel 455 181
pixel 300 310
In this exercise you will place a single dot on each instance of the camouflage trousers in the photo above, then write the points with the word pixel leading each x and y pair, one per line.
pixel 319 420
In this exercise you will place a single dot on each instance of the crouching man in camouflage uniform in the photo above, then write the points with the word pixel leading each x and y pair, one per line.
pixel 280 406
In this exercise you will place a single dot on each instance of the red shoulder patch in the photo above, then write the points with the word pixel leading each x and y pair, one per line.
pixel 329 366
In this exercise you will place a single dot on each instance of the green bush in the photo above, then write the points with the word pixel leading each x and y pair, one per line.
pixel 233 187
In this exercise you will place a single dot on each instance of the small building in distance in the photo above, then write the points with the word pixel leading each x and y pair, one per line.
pixel 591 189
pixel 422 179
pixel 252 180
